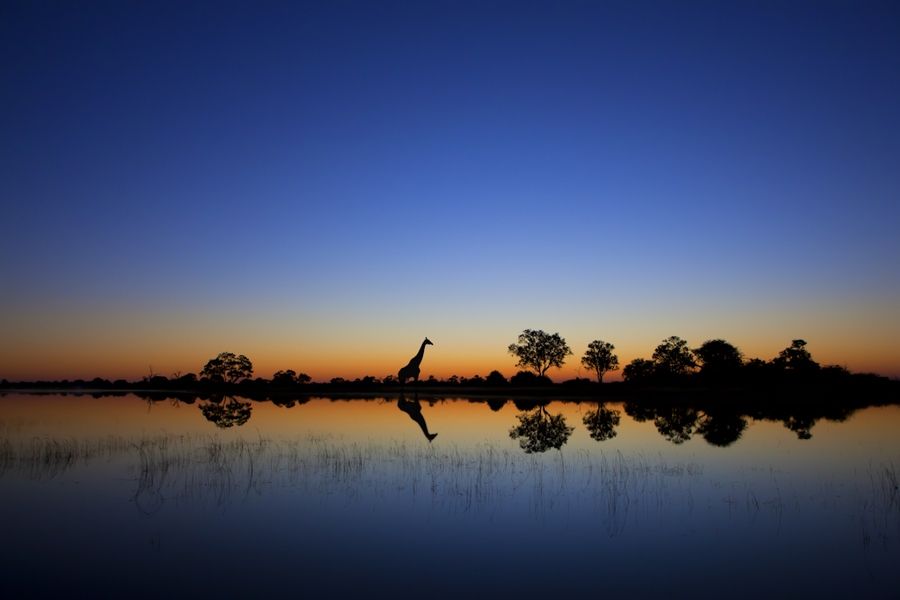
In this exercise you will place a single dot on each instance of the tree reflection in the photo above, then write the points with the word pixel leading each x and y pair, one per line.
pixel 640 412
pixel 288 401
pixel 538 431
pixel 226 411
pixel 496 404
pixel 801 425
pixel 676 423
pixel 718 426
pixel 602 423
pixel 722 428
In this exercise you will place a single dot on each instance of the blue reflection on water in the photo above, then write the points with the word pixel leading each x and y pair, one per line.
pixel 312 501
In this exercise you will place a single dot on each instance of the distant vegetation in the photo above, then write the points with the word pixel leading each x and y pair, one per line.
pixel 714 365
pixel 709 391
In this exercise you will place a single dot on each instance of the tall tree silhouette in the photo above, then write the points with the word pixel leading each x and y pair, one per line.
pixel 599 358
pixel 288 377
pixel 228 368
pixel 719 360
pixel 673 358
pixel 796 358
pixel 639 370
pixel 539 351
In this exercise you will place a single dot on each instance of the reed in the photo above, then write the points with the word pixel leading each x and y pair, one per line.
pixel 613 488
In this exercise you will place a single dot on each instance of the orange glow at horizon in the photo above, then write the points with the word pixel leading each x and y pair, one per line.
pixel 323 366
pixel 117 345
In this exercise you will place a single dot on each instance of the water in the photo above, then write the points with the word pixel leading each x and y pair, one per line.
pixel 124 496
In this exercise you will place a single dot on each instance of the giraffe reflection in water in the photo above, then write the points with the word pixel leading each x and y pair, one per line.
pixel 414 409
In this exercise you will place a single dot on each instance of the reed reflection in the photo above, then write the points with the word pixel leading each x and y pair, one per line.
pixel 539 431
pixel 414 409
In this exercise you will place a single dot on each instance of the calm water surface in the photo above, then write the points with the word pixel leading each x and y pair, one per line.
pixel 120 496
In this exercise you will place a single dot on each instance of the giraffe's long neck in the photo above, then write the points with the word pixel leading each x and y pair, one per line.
pixel 418 357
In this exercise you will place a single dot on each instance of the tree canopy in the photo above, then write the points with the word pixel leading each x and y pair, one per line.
pixel 539 351
pixel 599 358
pixel 796 357
pixel 718 359
pixel 673 358
pixel 639 370
pixel 228 368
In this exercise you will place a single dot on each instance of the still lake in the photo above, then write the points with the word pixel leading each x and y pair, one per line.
pixel 113 496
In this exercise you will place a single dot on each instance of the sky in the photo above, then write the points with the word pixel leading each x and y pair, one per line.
pixel 321 185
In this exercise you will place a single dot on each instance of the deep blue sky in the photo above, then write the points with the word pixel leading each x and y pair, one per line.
pixel 288 179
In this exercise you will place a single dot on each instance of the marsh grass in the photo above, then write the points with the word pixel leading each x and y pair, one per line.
pixel 880 516
pixel 47 458
pixel 212 469
pixel 611 488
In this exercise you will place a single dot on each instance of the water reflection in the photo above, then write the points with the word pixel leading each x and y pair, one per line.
pixel 315 490
pixel 602 423
pixel 719 421
pixel 676 423
pixel 289 401
pixel 414 409
pixel 538 430
pixel 226 411
pixel 722 428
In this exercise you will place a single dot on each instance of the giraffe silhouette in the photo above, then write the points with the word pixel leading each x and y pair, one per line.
pixel 411 370
pixel 414 410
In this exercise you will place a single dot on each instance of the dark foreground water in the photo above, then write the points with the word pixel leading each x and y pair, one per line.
pixel 125 497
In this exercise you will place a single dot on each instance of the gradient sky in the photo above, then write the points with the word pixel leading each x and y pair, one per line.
pixel 321 185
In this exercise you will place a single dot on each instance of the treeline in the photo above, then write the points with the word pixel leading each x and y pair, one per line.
pixel 673 364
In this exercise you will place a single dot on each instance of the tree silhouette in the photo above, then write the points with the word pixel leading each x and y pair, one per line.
pixel 288 377
pixel 640 370
pixel 602 423
pixel 495 378
pixel 538 431
pixel 226 411
pixel 796 358
pixel 539 351
pixel 599 358
pixel 228 367
pixel 720 361
pixel 673 358
pixel 528 378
